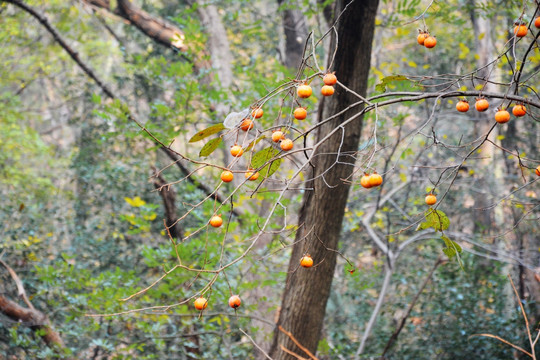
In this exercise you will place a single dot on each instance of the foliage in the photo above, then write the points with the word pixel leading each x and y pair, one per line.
pixel 83 225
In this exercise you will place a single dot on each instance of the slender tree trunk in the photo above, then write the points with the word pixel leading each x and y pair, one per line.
pixel 294 27
pixel 307 290
pixel 483 219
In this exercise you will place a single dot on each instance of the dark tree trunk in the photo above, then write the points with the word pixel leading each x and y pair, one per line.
pixel 294 27
pixel 168 196
pixel 307 290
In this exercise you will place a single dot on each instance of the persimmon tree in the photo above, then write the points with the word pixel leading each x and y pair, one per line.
pixel 360 128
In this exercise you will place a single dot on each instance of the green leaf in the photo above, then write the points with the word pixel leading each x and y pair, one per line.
pixel 435 219
pixel 440 219
pixel 449 252
pixel 388 79
pixel 452 249
pixel 255 142
pixel 96 99
pixel 452 244
pixel 210 146
pixel 271 168
pixel 214 129
pixel 262 156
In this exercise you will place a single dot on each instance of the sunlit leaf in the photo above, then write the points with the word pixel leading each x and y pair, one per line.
pixel 262 156
pixel 214 129
pixel 135 202
pixel 210 147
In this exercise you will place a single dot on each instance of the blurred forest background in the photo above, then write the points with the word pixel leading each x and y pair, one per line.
pixel 82 222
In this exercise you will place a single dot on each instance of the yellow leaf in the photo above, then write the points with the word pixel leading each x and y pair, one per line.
pixel 481 36
pixel 500 137
pixel 135 202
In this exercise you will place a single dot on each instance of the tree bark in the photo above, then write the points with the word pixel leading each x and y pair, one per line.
pixel 154 27
pixel 33 318
pixel 294 27
pixel 30 316
pixel 307 290
pixel 168 195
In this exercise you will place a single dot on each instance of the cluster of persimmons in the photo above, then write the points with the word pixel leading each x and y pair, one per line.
pixel 367 181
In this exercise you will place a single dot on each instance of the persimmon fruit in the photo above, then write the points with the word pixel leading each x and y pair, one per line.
pixel 257 113
pixel 277 135
pixel 462 106
pixel 216 221
pixel 201 303
pixel 236 150
pixel 502 116
pixel 247 124
pixel 537 170
pixel 304 91
pixel 250 175
pixel 300 113
pixel 235 302
pixel 481 104
pixel 430 42
pixel 520 30
pixel 227 176
pixel 327 90
pixel 375 179
pixel 431 199
pixel 519 110
pixel 286 144
pixel 329 79
pixel 421 38
pixel 306 261
pixel 537 22
pixel 364 181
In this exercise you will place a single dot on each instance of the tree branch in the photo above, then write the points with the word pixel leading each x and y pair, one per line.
pixel 107 90
pixel 168 196
pixel 155 28
pixel 60 40
pixel 205 189
pixel 31 317
pixel 395 335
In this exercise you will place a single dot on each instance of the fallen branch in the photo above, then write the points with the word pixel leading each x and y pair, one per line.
pixel 30 316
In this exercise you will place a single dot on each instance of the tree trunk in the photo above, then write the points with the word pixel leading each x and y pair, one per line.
pixel 307 290
pixel 294 27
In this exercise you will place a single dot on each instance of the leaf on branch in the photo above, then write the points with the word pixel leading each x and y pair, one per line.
pixel 271 168
pixel 452 249
pixel 214 129
pixel 387 80
pixel 261 157
pixel 210 147
pixel 254 142
pixel 456 248
pixel 435 219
